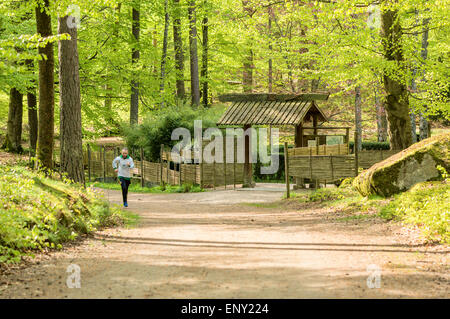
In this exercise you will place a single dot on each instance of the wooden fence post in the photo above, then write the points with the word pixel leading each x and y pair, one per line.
pixel 89 162
pixel 317 146
pixel 332 168
pixel 286 169
pixel 104 164
pixel 224 163
pixel 142 167
pixel 234 162
pixel 355 147
pixel 161 165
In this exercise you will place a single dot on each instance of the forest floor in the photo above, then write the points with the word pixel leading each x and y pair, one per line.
pixel 216 245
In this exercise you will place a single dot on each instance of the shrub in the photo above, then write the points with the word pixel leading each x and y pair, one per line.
pixel 157 127
pixel 426 205
pixel 37 212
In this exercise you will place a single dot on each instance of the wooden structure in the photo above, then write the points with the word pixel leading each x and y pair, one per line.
pixel 273 110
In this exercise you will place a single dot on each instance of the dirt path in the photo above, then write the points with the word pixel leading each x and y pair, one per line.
pixel 211 245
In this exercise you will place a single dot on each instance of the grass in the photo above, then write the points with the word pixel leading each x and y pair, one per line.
pixel 426 205
pixel 38 212
pixel 136 188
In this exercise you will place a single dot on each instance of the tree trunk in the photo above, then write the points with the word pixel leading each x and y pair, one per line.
pixel 424 127
pixel 270 73
pixel 164 53
pixel 135 55
pixel 46 89
pixel 396 101
pixel 14 126
pixel 32 111
pixel 204 72
pixel 358 117
pixel 178 47
pixel 381 119
pixel 32 120
pixel 247 74
pixel 70 104
pixel 195 81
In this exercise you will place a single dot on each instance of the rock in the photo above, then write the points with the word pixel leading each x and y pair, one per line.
pixel 403 170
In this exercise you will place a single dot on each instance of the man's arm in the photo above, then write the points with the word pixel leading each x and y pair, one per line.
pixel 114 162
pixel 131 163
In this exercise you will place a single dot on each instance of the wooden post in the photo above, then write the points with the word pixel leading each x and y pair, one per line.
pixel 356 154
pixel 168 171
pixel 161 165
pixel 142 167
pixel 332 168
pixel 89 161
pixel 286 169
pixel 104 164
pixel 248 171
pixel 317 146
pixel 310 165
pixel 347 139
pixel 224 163
pixel 214 170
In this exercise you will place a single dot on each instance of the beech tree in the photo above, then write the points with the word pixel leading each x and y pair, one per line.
pixel 46 86
pixel 71 159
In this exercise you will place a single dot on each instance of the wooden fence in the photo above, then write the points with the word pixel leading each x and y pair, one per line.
pixel 338 149
pixel 98 165
pixel 333 167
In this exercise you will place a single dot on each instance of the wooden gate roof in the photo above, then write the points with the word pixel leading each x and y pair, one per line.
pixel 273 109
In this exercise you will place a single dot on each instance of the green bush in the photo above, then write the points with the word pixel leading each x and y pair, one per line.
pixel 37 212
pixel 157 127
pixel 426 205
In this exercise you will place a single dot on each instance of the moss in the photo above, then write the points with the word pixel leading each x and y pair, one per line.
pixel 382 178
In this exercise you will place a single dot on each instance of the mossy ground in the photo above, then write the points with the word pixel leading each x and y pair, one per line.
pixel 39 212
pixel 426 205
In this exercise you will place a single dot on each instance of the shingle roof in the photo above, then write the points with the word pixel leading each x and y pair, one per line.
pixel 265 109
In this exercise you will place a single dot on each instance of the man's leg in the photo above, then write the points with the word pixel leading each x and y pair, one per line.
pixel 125 196
pixel 123 185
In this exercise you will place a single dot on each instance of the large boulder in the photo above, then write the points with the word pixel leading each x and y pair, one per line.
pixel 403 170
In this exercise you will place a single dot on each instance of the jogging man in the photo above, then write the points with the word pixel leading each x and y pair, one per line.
pixel 122 165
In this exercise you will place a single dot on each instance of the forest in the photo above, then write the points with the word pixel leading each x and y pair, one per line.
pixel 81 78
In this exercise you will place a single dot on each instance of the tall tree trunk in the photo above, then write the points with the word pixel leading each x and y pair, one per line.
pixel 164 53
pixel 247 74
pixel 270 73
pixel 178 47
pixel 32 119
pixel 195 81
pixel 413 87
pixel 135 55
pixel 396 101
pixel 424 126
pixel 358 117
pixel 204 72
pixel 14 126
pixel 32 111
pixel 46 89
pixel 381 118
pixel 70 103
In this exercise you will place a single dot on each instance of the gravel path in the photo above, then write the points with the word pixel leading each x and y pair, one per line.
pixel 213 245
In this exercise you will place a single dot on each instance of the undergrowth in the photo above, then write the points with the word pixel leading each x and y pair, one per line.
pixel 137 188
pixel 38 212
